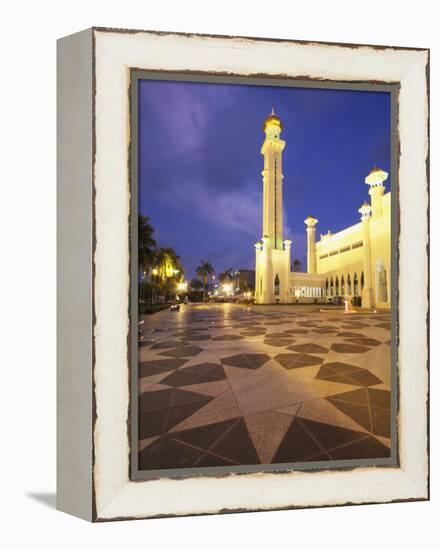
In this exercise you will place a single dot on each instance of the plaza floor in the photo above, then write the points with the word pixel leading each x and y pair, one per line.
pixel 225 384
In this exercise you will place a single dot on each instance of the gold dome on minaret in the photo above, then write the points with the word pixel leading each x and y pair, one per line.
pixel 376 177
pixel 272 119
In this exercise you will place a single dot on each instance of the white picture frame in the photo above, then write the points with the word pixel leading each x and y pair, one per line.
pixel 94 479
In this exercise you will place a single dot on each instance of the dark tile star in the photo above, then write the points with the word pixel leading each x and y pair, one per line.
pixel 160 410
pixel 349 348
pixel 227 337
pixel 365 341
pixel 148 368
pixel 297 360
pixel 256 332
pixel 246 360
pixel 183 351
pixel 369 407
pixel 203 437
pixel 277 342
pixel 168 344
pixel 237 445
pixel 166 453
pixel 308 348
pixel 196 374
pixel 347 374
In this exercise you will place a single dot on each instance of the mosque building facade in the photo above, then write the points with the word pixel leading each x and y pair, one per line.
pixel 352 263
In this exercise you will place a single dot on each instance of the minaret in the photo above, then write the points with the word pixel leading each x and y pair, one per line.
pixel 375 180
pixel 272 149
pixel 310 222
pixel 272 253
pixel 367 292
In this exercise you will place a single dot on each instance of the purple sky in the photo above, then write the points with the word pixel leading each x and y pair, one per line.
pixel 200 163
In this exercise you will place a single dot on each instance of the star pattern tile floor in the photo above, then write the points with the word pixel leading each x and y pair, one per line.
pixel 224 384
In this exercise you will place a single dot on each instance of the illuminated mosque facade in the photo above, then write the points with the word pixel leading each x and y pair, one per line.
pixel 352 263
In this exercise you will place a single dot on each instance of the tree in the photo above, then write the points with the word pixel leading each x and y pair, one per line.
pixel 296 265
pixel 226 276
pixel 146 246
pixel 168 264
pixel 204 270
pixel 146 242
pixel 195 284
pixel 168 267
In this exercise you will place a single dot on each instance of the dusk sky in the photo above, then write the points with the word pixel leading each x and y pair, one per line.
pixel 200 164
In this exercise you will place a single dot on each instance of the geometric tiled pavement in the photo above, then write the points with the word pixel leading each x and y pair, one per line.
pixel 225 384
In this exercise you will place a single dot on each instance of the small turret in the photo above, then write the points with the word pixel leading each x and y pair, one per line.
pixel 375 180
pixel 365 211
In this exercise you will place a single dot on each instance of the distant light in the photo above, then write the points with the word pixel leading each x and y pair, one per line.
pixel 182 287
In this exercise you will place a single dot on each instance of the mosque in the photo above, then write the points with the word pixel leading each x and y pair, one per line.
pixel 353 263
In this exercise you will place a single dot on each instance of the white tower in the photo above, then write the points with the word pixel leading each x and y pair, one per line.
pixel 310 222
pixel 375 180
pixel 272 268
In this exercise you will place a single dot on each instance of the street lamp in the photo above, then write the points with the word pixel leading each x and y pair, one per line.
pixel 182 286
pixel 155 273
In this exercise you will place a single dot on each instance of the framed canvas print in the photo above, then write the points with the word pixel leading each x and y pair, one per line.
pixel 243 224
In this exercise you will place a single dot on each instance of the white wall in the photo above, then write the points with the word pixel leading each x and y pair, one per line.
pixel 27 219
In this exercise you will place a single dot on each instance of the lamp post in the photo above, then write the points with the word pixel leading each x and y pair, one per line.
pixel 154 273
pixel 142 292
pixel 182 287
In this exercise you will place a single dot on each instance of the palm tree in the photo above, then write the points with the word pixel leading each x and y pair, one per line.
pixel 146 242
pixel 168 266
pixel 204 270
pixel 146 245
pixel 195 284
pixel 167 263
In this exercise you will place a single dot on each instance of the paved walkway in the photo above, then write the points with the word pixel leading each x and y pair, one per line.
pixel 226 384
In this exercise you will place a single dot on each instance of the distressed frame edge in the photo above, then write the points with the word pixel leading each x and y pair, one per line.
pixel 305 42
pixel 94 516
pixel 424 493
pixel 137 75
pixel 74 274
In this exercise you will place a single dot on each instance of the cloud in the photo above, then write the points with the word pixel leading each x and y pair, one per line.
pixel 184 112
pixel 231 211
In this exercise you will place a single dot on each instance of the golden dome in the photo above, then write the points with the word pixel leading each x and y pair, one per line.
pixel 272 119
pixel 375 170
pixel 376 177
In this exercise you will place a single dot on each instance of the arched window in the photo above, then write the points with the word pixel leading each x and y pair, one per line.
pixel 337 286
pixel 355 285
pixel 277 285
pixel 342 285
pixel 362 281
pixel 331 286
pixel 349 284
pixel 326 286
